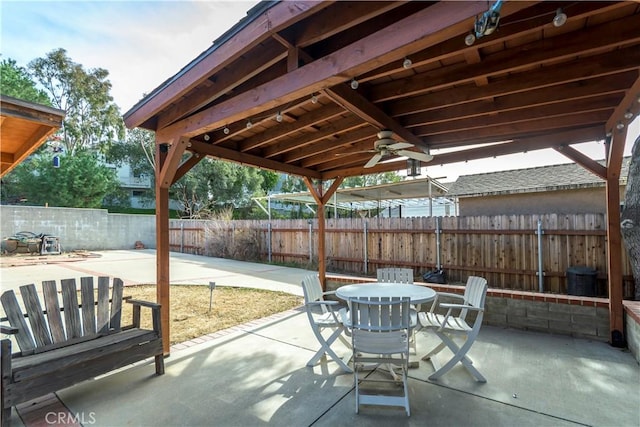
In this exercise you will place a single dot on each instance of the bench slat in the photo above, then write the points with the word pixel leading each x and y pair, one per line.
pixel 88 306
pixel 116 305
pixel 103 305
pixel 52 304
pixel 36 317
pixel 71 311
pixel 16 319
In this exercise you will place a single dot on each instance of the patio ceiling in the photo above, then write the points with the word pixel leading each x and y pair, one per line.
pixel 530 85
pixel 24 126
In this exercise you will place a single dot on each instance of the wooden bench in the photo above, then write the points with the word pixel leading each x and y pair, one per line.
pixel 62 346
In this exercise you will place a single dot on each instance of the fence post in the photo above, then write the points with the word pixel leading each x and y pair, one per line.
pixel 181 237
pixel 539 232
pixel 310 222
pixel 438 232
pixel 269 240
pixel 366 251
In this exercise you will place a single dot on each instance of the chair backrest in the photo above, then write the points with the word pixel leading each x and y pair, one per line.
pixel 312 289
pixel 380 325
pixel 395 275
pixel 475 294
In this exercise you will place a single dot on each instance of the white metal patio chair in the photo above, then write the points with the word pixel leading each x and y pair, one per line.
pixel 380 335
pixel 454 324
pixel 324 315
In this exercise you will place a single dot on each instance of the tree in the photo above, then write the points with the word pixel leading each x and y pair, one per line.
pixel 16 82
pixel 630 217
pixel 92 118
pixel 81 181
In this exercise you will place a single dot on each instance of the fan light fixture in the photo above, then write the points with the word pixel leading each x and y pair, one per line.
pixel 560 19
pixel 354 84
pixel 413 167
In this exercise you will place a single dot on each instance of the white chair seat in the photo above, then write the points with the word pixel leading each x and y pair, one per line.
pixel 433 320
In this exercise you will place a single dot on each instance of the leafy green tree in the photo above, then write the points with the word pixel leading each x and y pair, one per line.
pixel 15 81
pixel 92 119
pixel 82 181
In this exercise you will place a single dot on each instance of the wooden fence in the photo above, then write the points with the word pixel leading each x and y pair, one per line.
pixel 504 249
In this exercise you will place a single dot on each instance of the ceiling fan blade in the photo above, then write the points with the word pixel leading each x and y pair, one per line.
pixel 374 160
pixel 399 146
pixel 424 157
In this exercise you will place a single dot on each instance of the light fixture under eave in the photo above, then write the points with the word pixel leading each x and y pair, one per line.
pixel 620 126
pixel 249 124
pixel 628 114
pixel 226 131
pixel 354 84
pixel 206 137
pixel 314 99
pixel 279 117
pixel 413 167
pixel 470 39
pixel 407 63
pixel 485 24
pixel 560 19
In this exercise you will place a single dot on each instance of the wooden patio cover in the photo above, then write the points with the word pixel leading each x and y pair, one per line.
pixel 24 126
pixel 278 91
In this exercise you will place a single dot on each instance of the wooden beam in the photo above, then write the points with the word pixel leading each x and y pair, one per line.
pixel 360 106
pixel 173 159
pixel 581 70
pixel 162 248
pixel 584 161
pixel 614 239
pixel 332 189
pixel 249 35
pixel 249 159
pixel 187 165
pixel 414 32
pixel 629 103
pixel 564 47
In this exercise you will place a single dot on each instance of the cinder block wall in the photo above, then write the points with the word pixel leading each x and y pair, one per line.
pixel 632 327
pixel 80 229
pixel 584 317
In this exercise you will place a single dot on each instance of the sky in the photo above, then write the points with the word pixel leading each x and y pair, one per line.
pixel 143 43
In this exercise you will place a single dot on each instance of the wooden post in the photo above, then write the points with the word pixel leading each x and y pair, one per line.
pixel 322 267
pixel 614 239
pixel 162 247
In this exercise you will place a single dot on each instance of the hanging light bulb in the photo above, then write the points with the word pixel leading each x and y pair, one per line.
pixel 206 137
pixel 406 64
pixel 354 84
pixel 628 114
pixel 560 19
pixel 314 99
pixel 470 39
pixel 620 126
pixel 249 124
pixel 226 130
pixel 279 117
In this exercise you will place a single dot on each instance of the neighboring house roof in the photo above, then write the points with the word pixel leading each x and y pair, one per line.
pixel 545 178
pixel 24 126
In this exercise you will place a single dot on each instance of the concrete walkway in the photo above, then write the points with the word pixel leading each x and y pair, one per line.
pixel 255 374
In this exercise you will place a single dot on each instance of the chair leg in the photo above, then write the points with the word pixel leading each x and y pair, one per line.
pixel 437 349
pixel 326 348
pixel 459 356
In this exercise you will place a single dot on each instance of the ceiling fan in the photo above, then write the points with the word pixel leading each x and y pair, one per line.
pixel 385 145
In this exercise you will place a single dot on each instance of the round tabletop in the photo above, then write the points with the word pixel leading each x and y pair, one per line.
pixel 417 294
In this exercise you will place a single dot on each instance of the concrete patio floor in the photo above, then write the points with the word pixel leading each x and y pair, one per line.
pixel 255 374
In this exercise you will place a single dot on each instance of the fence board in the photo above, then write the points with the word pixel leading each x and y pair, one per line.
pixel 502 248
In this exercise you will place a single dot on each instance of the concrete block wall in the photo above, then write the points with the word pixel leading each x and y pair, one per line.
pixel 583 317
pixel 80 229
pixel 632 327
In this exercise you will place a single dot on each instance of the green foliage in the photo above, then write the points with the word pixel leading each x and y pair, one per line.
pixel 213 184
pixel 81 181
pixel 372 179
pixel 92 118
pixel 15 81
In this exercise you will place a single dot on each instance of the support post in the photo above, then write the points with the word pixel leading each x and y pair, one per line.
pixel 540 272
pixel 162 247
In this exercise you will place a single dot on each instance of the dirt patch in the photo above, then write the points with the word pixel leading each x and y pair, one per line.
pixel 189 310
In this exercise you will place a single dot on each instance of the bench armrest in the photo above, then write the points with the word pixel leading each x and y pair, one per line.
pixel 142 303
pixel 435 304
pixel 461 306
pixel 9 330
pixel 155 313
